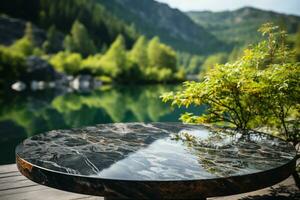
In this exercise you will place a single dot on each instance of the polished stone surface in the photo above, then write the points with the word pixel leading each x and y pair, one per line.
pixel 153 152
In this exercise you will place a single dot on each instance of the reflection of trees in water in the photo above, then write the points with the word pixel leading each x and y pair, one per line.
pixel 31 112
pixel 37 114
pixel 227 154
pixel 34 113
pixel 115 105
pixel 215 152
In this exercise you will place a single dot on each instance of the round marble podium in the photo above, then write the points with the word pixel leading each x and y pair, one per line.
pixel 155 161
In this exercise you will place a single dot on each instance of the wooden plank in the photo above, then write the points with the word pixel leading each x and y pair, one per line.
pixel 14 186
pixel 9 174
pixel 48 194
pixel 21 190
pixel 18 184
pixel 12 179
pixel 8 168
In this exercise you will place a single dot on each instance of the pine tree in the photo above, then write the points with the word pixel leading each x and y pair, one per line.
pixel 114 61
pixel 138 54
pixel 25 46
pixel 28 33
pixel 160 55
pixel 153 52
pixel 79 40
pixel 53 43
pixel 168 57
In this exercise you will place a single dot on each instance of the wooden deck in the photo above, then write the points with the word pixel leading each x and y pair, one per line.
pixel 14 186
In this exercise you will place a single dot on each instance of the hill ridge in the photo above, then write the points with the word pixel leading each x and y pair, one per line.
pixel 240 26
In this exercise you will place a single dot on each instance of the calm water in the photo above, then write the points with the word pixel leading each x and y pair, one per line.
pixel 26 114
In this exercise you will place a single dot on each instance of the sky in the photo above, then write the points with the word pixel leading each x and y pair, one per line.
pixel 282 6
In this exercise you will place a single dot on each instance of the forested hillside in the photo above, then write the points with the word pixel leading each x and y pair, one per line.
pixel 102 26
pixel 240 26
pixel 172 26
pixel 126 40
pixel 81 37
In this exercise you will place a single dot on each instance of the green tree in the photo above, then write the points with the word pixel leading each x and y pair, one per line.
pixel 211 61
pixel 79 40
pixel 69 63
pixel 53 43
pixel 260 89
pixel 155 74
pixel 92 64
pixel 12 66
pixel 195 64
pixel 168 58
pixel 153 52
pixel 28 33
pixel 26 45
pixel 115 60
pixel 138 53
pixel 160 55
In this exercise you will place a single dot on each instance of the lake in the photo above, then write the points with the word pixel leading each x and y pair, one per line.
pixel 29 113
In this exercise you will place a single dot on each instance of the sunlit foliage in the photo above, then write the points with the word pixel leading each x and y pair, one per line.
pixel 124 65
pixel 138 53
pixel 12 65
pixel 114 60
pixel 26 45
pixel 66 62
pixel 261 89
pixel 160 55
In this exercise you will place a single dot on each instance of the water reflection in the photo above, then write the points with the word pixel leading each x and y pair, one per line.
pixel 229 152
pixel 26 114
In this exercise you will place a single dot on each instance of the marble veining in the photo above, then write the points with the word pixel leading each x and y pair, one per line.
pixel 155 152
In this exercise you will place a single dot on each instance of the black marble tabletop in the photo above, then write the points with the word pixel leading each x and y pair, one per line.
pixel 149 153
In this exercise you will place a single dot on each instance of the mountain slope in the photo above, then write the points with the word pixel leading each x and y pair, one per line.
pixel 106 19
pixel 240 26
pixel 103 26
pixel 172 26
